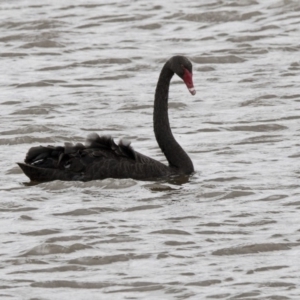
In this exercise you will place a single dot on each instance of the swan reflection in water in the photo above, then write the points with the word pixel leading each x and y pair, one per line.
pixel 102 158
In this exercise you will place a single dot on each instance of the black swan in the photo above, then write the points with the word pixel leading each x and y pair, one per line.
pixel 101 158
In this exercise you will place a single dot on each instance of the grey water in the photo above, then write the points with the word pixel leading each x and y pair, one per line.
pixel 69 68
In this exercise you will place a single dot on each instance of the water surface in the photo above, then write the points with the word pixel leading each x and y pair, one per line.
pixel 70 68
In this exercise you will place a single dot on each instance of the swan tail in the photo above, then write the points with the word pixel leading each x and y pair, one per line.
pixel 42 175
pixel 99 158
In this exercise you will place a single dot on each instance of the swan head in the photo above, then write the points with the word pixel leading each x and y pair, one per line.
pixel 181 66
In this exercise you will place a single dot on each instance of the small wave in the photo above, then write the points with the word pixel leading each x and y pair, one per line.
pixel 104 260
pixel 43 44
pixel 226 59
pixel 258 128
pixel 171 231
pixel 26 140
pixel 29 129
pixel 255 248
pixel 109 183
pixel 85 211
pixel 48 249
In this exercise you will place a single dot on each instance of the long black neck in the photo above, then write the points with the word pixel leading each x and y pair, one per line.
pixel 175 155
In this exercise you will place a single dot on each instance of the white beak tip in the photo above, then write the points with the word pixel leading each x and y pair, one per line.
pixel 192 91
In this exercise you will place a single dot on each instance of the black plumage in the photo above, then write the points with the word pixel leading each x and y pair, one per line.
pixel 102 158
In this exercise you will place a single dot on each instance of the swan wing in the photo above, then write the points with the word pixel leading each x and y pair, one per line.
pixel 99 158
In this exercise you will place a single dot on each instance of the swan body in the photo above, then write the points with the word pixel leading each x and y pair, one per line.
pixel 102 158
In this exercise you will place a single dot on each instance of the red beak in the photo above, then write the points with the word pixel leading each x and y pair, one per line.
pixel 188 80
